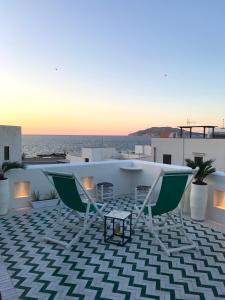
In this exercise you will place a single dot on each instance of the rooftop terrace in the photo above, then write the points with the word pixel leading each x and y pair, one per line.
pixel 93 269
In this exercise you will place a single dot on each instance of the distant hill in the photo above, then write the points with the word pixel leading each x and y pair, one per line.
pixel 162 132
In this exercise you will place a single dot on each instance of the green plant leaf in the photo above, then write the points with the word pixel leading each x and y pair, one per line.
pixel 205 168
pixel 8 165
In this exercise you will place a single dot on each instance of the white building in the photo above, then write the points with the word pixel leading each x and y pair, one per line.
pixel 92 154
pixel 176 150
pixel 10 143
pixel 217 133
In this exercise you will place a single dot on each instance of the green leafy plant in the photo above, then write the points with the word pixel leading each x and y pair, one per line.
pixel 204 169
pixel 51 195
pixel 8 165
pixel 35 195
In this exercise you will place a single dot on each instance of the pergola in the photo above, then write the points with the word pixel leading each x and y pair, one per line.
pixel 201 126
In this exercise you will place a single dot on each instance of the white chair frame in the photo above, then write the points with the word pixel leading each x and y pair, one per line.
pixel 88 219
pixel 154 230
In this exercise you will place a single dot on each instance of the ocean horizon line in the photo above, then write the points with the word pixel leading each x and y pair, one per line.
pixel 40 134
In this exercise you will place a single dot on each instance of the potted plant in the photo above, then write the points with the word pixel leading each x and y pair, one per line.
pixel 4 184
pixel 50 199
pixel 199 188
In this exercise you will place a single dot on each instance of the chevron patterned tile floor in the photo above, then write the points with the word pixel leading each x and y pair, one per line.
pixel 92 269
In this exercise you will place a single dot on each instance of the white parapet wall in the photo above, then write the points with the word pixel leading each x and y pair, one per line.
pixel 125 176
pixel 216 199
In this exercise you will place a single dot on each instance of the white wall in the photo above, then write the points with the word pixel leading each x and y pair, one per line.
pixel 93 154
pixel 216 182
pixel 168 146
pixel 10 136
pixel 101 171
pixel 74 159
pixel 180 149
pixel 124 180
pixel 98 154
pixel 143 149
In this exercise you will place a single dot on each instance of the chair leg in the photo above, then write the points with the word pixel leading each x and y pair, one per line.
pixel 139 212
pixel 182 229
pixel 59 214
pixel 86 224
pixel 165 249
pixel 154 231
pixel 181 225
pixel 57 221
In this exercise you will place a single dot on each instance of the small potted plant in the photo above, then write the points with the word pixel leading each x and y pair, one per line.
pixel 38 201
pixel 4 184
pixel 199 188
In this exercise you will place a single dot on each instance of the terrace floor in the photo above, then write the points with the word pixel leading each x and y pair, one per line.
pixel 92 269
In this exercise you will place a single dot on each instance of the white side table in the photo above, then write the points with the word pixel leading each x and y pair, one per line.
pixel 120 224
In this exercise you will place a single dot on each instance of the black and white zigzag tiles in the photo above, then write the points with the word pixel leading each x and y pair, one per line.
pixel 92 269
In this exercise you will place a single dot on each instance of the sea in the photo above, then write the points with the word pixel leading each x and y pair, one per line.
pixel 46 144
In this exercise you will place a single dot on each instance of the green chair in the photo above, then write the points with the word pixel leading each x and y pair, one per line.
pixel 71 194
pixel 168 189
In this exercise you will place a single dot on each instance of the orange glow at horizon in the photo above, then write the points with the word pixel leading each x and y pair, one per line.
pixel 71 131
pixel 57 108
pixel 64 126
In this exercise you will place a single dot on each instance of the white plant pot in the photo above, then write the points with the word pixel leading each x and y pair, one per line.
pixel 44 203
pixel 4 196
pixel 198 201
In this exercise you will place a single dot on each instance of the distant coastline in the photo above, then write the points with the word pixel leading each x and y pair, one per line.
pixel 160 132
pixel 155 131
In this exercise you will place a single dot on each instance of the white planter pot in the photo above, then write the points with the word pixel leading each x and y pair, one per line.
pixel 4 196
pixel 44 203
pixel 198 201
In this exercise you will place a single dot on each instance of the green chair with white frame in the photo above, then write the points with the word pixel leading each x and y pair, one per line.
pixel 162 199
pixel 71 194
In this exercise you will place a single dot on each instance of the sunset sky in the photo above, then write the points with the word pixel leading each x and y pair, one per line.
pixel 111 66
